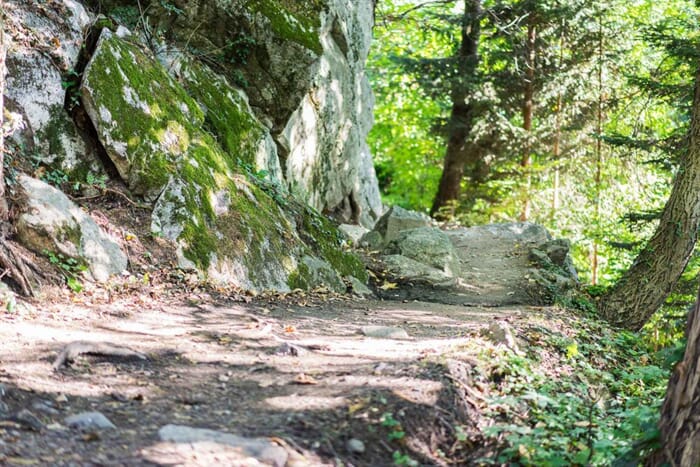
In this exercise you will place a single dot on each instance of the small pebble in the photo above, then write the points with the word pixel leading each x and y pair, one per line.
pixel 89 421
pixel 355 446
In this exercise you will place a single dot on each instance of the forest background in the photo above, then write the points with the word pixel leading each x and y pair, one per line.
pixel 579 114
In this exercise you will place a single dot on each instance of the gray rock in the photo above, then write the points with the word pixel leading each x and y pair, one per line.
pixel 318 272
pixel 385 332
pixel 34 89
pixel 501 333
pixel 51 221
pixel 353 232
pixel 89 421
pixel 408 269
pixel 3 391
pixel 429 246
pixel 45 406
pixel 359 288
pixel 258 448
pixel 397 219
pixel 355 446
pixel 27 420
pixel 372 240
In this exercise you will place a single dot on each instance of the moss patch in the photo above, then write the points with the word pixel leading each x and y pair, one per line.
pixel 292 20
pixel 227 113
pixel 144 118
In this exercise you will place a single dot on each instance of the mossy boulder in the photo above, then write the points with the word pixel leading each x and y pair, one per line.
pixel 271 47
pixel 195 147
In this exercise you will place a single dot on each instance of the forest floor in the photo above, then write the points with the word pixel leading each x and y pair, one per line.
pixel 300 369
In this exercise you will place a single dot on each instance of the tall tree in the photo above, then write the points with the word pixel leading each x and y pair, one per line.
pixel 645 285
pixel 4 212
pixel 680 430
pixel 462 116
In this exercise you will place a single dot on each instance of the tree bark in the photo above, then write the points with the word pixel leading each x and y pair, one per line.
pixel 643 288
pixel 463 112
pixel 527 111
pixel 4 212
pixel 679 424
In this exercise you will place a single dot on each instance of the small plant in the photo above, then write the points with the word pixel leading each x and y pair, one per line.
pixel 92 180
pixel 69 267
pixel 55 177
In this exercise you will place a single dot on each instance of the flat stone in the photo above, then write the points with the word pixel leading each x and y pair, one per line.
pixel 385 332
pixel 88 421
pixel 260 449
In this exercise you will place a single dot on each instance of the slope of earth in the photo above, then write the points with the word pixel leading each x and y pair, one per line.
pixel 300 370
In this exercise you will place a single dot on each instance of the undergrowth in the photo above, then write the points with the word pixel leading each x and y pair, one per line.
pixel 585 395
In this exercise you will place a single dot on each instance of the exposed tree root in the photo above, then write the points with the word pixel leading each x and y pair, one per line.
pixel 17 266
pixel 75 349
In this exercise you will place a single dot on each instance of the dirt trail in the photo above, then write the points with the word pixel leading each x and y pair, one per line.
pixel 299 370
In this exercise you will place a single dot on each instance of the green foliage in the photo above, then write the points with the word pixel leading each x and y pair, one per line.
pixel 599 405
pixel 70 268
pixel 634 60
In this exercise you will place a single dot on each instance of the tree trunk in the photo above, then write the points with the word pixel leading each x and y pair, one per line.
pixel 4 212
pixel 598 149
pixel 679 424
pixel 462 114
pixel 643 288
pixel 528 104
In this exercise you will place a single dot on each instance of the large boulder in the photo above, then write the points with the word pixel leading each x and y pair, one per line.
pixel 390 225
pixel 52 224
pixel 194 146
pixel 37 78
pixel 328 161
pixel 302 67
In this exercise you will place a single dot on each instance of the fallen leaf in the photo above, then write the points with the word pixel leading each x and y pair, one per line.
pixel 388 286
pixel 303 378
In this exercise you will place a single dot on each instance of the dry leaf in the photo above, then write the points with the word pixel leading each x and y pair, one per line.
pixel 303 378
pixel 388 286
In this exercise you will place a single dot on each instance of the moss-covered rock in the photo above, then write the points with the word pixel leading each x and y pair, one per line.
pixel 228 116
pixel 197 148
pixel 147 123
pixel 270 47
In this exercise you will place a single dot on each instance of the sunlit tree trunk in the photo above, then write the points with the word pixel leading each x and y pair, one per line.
pixel 679 424
pixel 598 149
pixel 462 114
pixel 527 110
pixel 644 287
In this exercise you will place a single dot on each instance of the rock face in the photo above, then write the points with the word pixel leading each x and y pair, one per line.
pixel 37 79
pixel 230 122
pixel 210 167
pixel 302 67
pixel 498 264
pixel 52 222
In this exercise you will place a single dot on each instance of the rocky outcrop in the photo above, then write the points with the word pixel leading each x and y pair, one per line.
pixel 302 67
pixel 215 196
pixel 498 264
pixel 324 142
pixel 52 224
pixel 229 116
pixel 45 40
